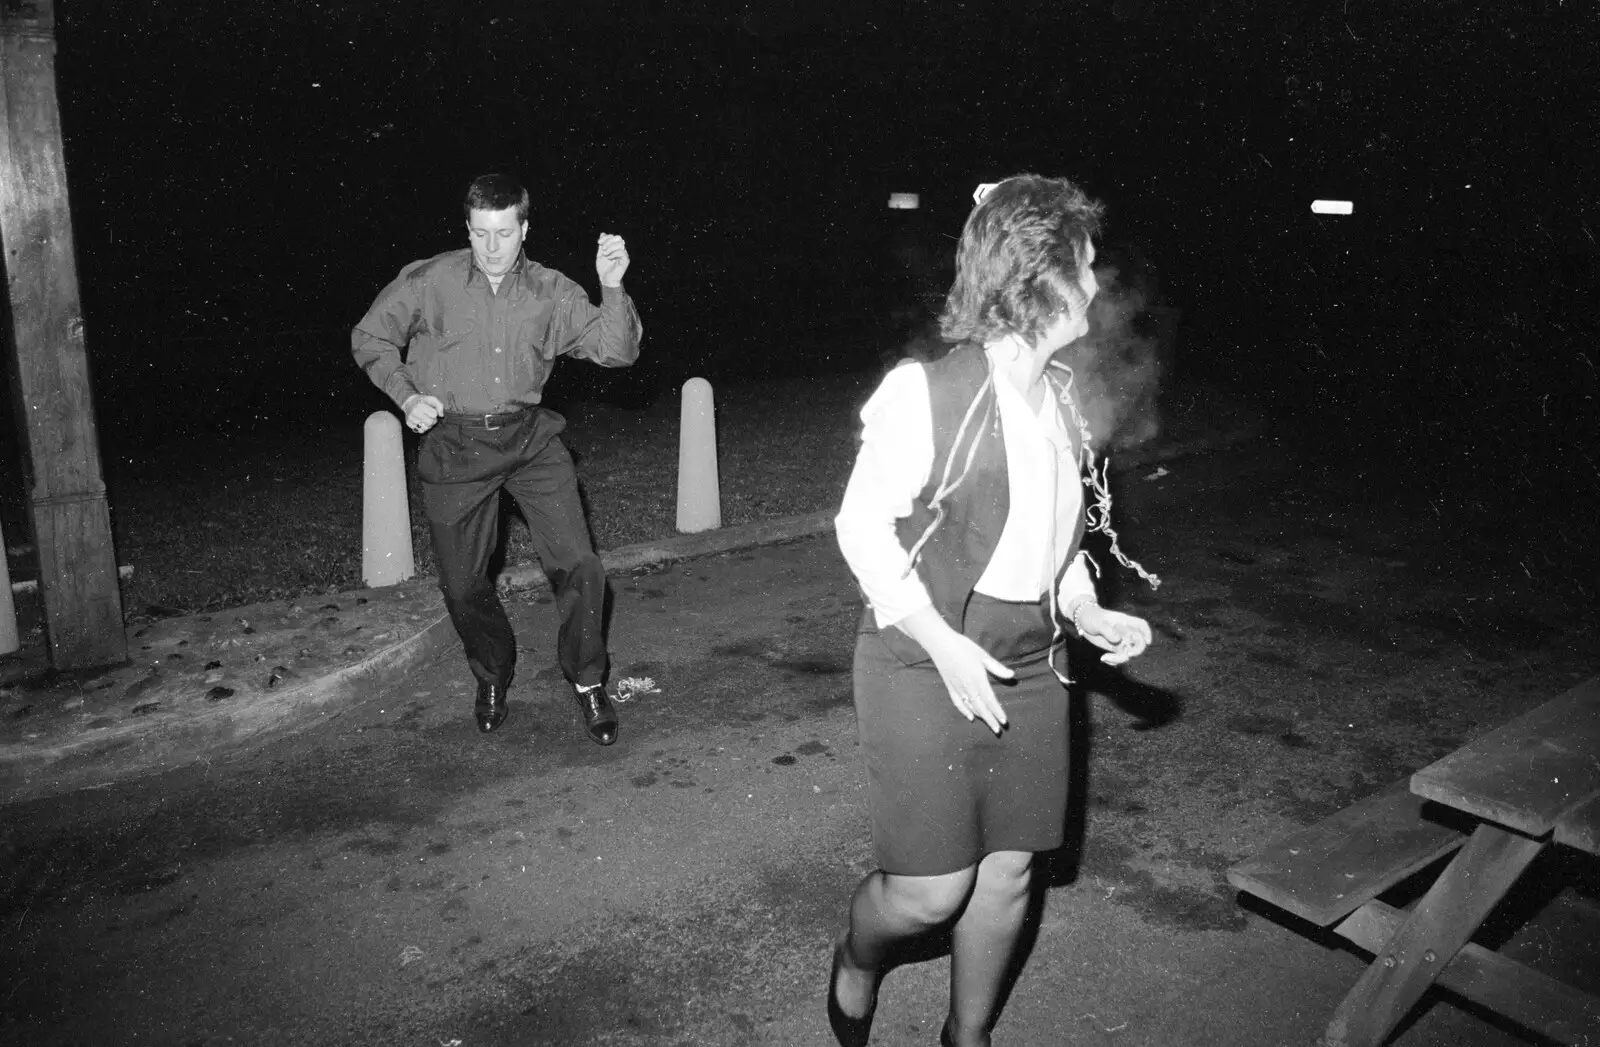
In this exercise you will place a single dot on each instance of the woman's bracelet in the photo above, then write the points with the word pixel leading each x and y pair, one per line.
pixel 1077 609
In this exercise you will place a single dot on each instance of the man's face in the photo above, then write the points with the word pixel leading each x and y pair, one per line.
pixel 496 238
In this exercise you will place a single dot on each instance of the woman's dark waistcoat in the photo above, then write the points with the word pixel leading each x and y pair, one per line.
pixel 954 555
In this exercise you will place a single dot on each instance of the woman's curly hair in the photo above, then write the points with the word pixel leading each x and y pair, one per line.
pixel 1021 253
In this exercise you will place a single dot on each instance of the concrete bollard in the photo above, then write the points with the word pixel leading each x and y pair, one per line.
pixel 9 640
pixel 699 497
pixel 386 554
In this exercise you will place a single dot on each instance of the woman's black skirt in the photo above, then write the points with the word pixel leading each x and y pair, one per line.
pixel 945 791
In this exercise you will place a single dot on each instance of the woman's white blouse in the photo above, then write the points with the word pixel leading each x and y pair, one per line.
pixel 893 466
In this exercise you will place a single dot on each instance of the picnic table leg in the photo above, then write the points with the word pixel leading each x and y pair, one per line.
pixel 1446 918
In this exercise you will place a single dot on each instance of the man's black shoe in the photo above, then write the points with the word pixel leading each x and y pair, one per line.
pixel 491 705
pixel 599 715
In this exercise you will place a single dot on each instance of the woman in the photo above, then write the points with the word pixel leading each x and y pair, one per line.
pixel 962 522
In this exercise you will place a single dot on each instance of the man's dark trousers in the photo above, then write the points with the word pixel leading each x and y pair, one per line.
pixel 463 465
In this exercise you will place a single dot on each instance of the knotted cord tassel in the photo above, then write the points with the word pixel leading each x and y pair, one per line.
pixel 1097 515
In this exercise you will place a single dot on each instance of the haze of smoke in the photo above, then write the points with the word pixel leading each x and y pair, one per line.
pixel 1118 364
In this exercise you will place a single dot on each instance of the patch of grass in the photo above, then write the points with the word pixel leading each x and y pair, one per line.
pixel 248 519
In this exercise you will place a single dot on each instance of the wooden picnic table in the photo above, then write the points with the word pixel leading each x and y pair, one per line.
pixel 1531 783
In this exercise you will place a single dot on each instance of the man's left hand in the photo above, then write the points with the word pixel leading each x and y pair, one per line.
pixel 611 260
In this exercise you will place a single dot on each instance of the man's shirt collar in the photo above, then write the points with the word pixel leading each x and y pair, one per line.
pixel 518 267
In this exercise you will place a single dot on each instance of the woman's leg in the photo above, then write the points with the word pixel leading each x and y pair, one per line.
pixel 885 911
pixel 982 944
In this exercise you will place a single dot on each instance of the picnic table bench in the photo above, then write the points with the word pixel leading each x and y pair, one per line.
pixel 1496 802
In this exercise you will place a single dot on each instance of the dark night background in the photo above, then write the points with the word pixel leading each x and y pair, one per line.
pixel 246 176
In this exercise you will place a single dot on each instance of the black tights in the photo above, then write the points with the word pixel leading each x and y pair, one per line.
pixel 989 901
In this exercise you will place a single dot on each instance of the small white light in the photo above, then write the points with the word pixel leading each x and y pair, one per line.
pixel 1332 207
pixel 904 201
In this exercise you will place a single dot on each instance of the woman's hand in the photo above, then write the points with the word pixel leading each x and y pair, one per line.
pixel 1121 635
pixel 964 667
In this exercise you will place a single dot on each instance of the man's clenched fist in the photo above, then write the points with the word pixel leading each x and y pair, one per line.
pixel 422 412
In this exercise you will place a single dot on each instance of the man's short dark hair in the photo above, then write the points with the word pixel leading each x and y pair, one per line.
pixel 1020 256
pixel 495 192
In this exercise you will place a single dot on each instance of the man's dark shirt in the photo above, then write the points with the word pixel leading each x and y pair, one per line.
pixel 440 329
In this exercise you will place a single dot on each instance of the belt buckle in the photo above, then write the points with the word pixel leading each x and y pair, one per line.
pixel 487 426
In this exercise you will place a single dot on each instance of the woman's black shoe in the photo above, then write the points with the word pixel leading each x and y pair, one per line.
pixel 850 1032
pixel 944 1035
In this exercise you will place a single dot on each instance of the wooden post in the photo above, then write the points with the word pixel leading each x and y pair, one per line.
pixel 78 582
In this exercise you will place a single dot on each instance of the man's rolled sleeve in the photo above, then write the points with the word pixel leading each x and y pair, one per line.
pixel 608 335
pixel 379 340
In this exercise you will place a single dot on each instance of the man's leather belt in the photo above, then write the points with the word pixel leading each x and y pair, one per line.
pixel 485 421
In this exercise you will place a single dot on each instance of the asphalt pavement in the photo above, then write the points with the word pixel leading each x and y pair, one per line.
pixel 280 825
pixel 199 684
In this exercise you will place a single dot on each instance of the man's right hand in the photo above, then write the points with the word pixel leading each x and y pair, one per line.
pixel 422 412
